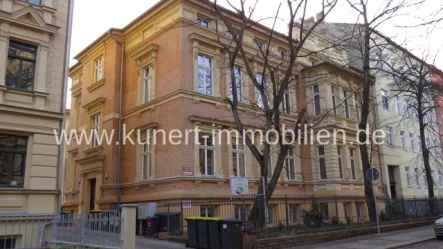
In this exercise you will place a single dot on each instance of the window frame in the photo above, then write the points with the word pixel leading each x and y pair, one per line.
pixel 205 69
pixel 408 176
pixel 320 158
pixel 238 84
pixel 95 120
pixel 146 159
pixel 238 149
pixel 207 211
pixel 287 101
pixel 417 178
pixel 390 136
pixel 316 100
pixel 352 163
pixel 340 162
pixel 21 59
pixel 203 22
pixel 385 99
pixel 11 154
pixel 347 111
pixel 259 98
pixel 98 68
pixel 334 99
pixel 147 85
pixel 205 147
pixel 239 211
pixel 290 157
pixel 403 140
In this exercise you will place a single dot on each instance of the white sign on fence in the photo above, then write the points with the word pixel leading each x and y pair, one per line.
pixel 239 186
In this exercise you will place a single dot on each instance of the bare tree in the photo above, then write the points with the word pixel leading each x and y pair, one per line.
pixel 273 89
pixel 388 10
pixel 412 79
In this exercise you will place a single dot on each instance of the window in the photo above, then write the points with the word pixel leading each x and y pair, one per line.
pixel 294 214
pixel 352 160
pixel 207 211
pixel 202 22
pixel 340 162
pixel 7 243
pixel 419 142
pixel 425 178
pixel 98 69
pixel 146 155
pixel 260 80
pixel 440 179
pixel 207 155
pixel 238 85
pixel 290 164
pixel 12 160
pixel 347 210
pixel 204 75
pixel 287 102
pixel 321 162
pixel 95 129
pixel 403 140
pixel 357 107
pixel 417 177
pixel 229 34
pixel 270 166
pixel 35 2
pixel 238 159
pixel 359 211
pixel 258 44
pixel 390 137
pixel 324 211
pixel 281 54
pixel 408 176
pixel 21 66
pixel 316 96
pixel 398 105
pixel 147 79
pixel 271 215
pixel 412 138
pixel 241 213
pixel 346 103
pixel 385 99
pixel 334 99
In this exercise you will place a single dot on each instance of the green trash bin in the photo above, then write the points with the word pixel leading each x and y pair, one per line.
pixel 192 232
pixel 231 234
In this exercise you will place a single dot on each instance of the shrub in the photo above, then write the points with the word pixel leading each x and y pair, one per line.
pixel 348 220
pixel 313 217
pixel 383 216
pixel 335 221
pixel 280 226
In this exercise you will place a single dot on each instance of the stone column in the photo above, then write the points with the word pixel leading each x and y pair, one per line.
pixel 4 40
pixel 42 60
pixel 128 217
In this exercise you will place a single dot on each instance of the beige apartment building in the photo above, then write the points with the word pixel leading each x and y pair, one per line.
pixel 164 54
pixel 33 43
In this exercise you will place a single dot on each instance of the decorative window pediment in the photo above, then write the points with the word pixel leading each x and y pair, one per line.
pixel 146 57
pixel 30 17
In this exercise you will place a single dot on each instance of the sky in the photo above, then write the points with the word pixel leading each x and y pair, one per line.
pixel 94 17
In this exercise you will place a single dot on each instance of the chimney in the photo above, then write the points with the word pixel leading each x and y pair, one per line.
pixel 320 16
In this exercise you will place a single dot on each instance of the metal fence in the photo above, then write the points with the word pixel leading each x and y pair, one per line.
pixel 287 215
pixel 32 231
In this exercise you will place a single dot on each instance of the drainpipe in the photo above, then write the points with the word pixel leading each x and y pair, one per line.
pixel 63 103
pixel 120 117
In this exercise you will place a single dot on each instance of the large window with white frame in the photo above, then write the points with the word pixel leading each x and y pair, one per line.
pixel 205 75
pixel 357 107
pixel 425 179
pixel 294 213
pixel 202 22
pixel 408 176
pixel 352 161
pixel 346 103
pixel 207 211
pixel 340 161
pixel 146 160
pixel 259 97
pixel 287 101
pixel 238 158
pixel 321 162
pixel 241 213
pixel 316 100
pixel 403 140
pixel 291 165
pixel 385 99
pixel 95 129
pixel 440 179
pixel 412 140
pixel 390 136
pixel 98 69
pixel 417 177
pixel 147 84
pixel 238 85
pixel 207 155
pixel 398 105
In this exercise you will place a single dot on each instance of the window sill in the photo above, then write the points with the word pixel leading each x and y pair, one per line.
pixel 96 85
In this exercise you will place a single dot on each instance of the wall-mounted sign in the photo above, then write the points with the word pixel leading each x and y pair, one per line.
pixel 187 172
pixel 239 186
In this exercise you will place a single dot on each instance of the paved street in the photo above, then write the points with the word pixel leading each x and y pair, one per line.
pixel 433 244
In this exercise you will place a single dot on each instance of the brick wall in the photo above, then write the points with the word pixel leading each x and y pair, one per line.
pixel 307 239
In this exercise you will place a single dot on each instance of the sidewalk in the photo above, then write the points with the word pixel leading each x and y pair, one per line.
pixel 389 240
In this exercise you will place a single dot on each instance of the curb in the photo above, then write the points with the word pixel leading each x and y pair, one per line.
pixel 411 243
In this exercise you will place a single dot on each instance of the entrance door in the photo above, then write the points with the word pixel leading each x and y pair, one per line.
pixel 92 194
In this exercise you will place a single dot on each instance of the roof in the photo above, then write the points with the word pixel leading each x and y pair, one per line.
pixel 156 6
